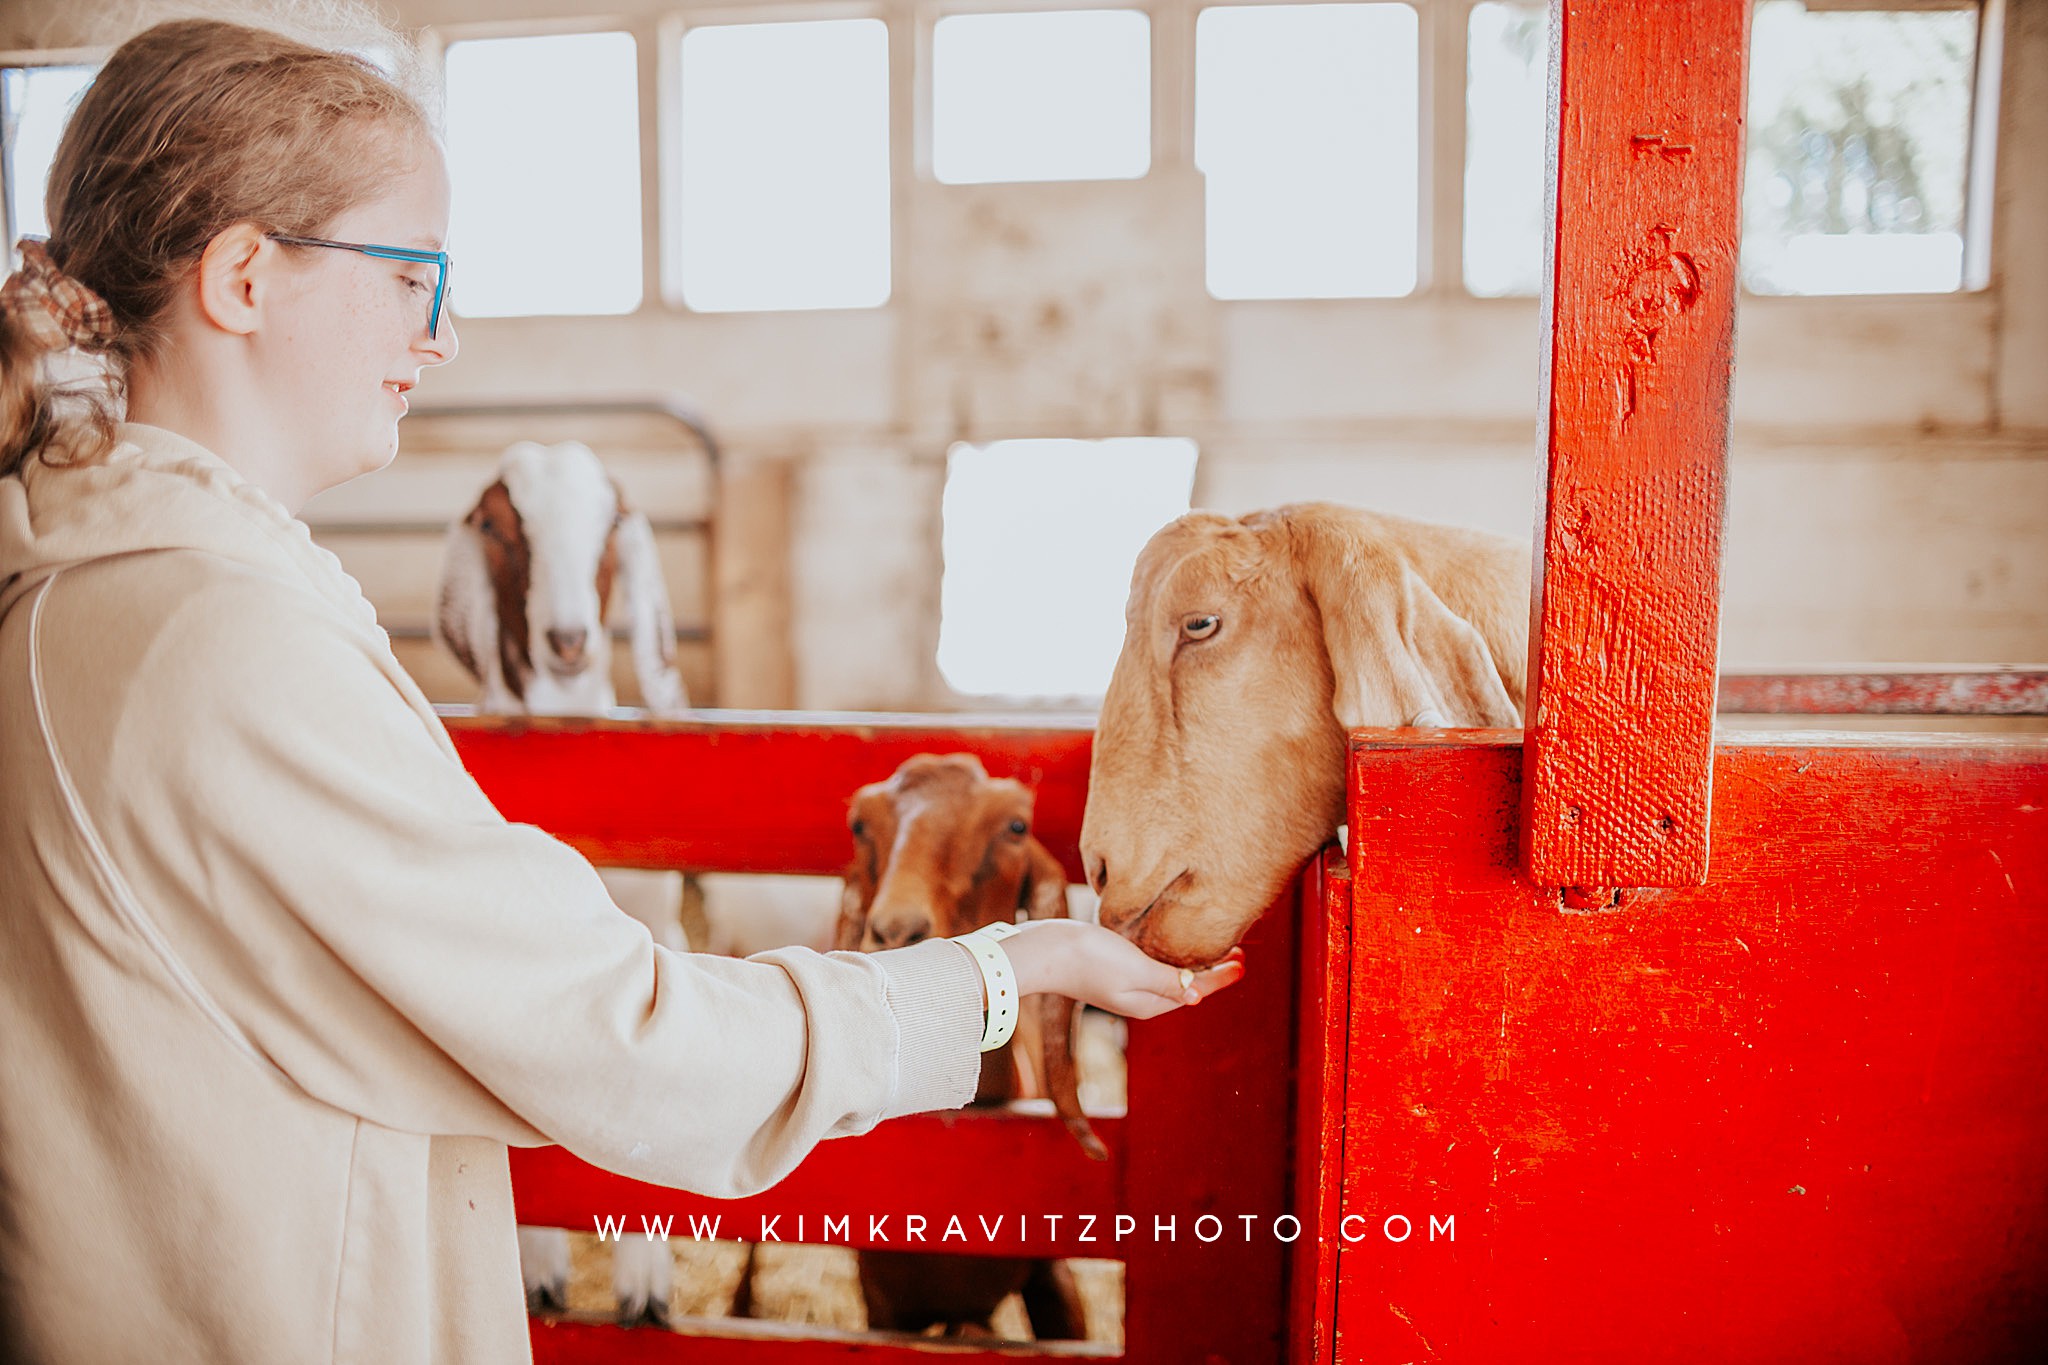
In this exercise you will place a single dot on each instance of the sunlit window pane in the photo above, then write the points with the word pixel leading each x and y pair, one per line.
pixel 35 101
pixel 1306 129
pixel 1858 143
pixel 785 166
pixel 544 156
pixel 1506 92
pixel 1044 96
pixel 1017 621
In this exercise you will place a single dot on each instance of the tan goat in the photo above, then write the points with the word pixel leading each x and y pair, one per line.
pixel 1251 645
pixel 942 849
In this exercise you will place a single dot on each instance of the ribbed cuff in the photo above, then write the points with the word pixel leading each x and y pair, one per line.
pixel 934 992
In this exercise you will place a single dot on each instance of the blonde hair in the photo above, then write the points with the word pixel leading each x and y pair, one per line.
pixel 191 127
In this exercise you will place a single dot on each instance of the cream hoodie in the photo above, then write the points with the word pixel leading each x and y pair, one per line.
pixel 278 986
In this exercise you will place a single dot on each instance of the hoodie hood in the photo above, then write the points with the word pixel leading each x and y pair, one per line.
pixel 159 491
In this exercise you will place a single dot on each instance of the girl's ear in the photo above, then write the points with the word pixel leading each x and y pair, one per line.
pixel 236 275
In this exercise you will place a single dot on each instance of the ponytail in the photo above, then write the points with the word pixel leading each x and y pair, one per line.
pixel 50 323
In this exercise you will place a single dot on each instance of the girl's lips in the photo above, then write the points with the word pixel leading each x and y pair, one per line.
pixel 399 393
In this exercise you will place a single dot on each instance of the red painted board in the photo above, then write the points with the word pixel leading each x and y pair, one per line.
pixel 1323 1029
pixel 748 792
pixel 1880 691
pixel 1796 1114
pixel 586 1341
pixel 1639 313
pixel 937 1166
pixel 1209 1132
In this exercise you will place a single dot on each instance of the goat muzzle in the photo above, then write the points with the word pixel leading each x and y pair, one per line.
pixel 568 647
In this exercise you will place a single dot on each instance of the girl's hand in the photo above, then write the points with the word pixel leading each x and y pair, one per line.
pixel 1097 967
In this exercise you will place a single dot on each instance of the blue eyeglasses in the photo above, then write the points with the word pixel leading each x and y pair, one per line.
pixel 438 259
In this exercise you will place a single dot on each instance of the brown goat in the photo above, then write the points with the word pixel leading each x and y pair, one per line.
pixel 943 849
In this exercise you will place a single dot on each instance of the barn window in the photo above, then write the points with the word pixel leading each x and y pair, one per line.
pixel 34 103
pixel 1859 150
pixel 1859 162
pixel 1062 95
pixel 1507 72
pixel 544 158
pixel 1306 131
pixel 782 193
pixel 1025 612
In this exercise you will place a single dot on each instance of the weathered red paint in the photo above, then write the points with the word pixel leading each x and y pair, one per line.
pixel 1639 314
pixel 2008 691
pixel 1795 1114
pixel 932 1165
pixel 750 792
pixel 582 1338
pixel 1323 1016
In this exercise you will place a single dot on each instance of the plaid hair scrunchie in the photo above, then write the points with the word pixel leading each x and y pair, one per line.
pixel 57 311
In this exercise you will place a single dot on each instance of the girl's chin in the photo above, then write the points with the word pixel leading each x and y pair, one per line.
pixel 373 456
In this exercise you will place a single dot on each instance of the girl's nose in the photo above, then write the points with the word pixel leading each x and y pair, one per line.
pixel 443 345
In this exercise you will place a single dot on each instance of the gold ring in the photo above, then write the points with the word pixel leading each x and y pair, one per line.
pixel 1187 978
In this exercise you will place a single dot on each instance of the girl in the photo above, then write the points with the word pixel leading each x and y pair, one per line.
pixel 280 986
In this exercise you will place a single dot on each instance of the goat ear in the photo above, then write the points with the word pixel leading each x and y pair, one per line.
pixel 1046 898
pixel 654 628
pixel 1045 884
pixel 856 894
pixel 1398 654
pixel 465 612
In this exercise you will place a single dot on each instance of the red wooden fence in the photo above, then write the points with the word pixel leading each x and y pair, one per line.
pixel 1210 1091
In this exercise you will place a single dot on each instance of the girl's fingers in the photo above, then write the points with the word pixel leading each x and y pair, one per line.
pixel 1212 979
pixel 1184 986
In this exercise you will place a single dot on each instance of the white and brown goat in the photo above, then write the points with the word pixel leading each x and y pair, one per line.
pixel 943 849
pixel 527 581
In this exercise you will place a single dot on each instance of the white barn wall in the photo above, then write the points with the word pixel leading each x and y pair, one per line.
pixel 1889 495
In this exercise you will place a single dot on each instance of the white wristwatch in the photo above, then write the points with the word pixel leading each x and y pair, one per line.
pixel 998 978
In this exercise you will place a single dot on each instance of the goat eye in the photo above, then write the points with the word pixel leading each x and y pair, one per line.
pixel 859 828
pixel 1018 827
pixel 1200 627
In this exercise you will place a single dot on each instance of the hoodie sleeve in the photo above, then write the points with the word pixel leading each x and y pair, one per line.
pixel 345 894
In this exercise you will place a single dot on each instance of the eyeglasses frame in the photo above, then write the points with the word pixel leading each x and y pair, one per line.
pixel 439 259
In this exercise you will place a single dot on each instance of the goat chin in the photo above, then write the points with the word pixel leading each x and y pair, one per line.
pixel 584 693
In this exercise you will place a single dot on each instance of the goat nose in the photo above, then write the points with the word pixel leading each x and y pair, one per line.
pixel 568 644
pixel 1098 874
pixel 1115 917
pixel 902 933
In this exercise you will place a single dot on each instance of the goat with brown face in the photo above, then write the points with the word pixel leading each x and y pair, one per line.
pixel 1251 646
pixel 941 849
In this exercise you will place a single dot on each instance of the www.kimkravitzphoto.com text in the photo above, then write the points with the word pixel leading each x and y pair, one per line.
pixel 962 1231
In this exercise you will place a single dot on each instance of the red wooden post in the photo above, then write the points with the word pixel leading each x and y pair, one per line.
pixel 1639 314
pixel 1322 1029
